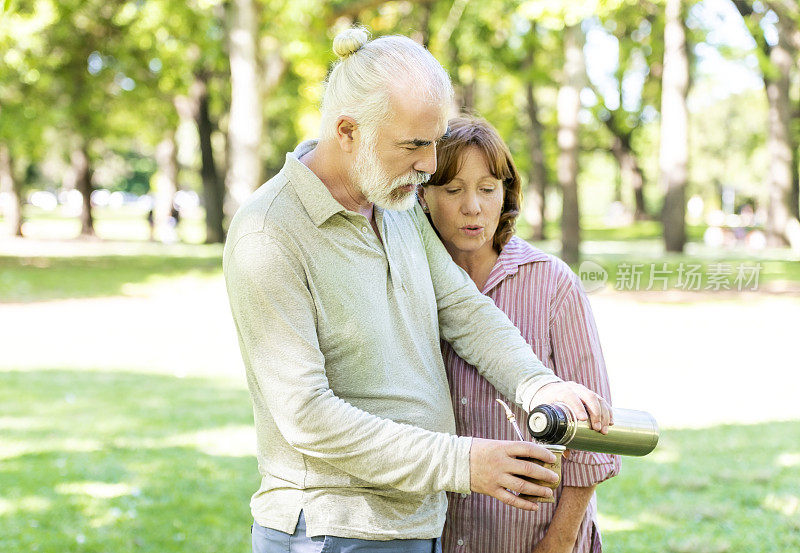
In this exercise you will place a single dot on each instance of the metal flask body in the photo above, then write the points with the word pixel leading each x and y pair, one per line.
pixel 633 432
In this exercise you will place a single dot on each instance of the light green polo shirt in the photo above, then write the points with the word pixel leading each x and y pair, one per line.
pixel 339 332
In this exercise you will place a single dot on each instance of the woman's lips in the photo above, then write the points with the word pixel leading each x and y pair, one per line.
pixel 472 230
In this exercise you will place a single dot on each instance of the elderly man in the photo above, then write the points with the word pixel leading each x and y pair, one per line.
pixel 340 293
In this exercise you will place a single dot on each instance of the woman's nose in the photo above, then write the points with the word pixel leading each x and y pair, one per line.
pixel 470 205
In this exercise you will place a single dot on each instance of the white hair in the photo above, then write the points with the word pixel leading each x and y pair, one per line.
pixel 360 83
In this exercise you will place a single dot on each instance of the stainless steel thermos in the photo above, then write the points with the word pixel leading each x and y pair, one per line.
pixel 633 432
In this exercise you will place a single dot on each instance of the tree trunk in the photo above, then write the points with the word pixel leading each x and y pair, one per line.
pixel 794 207
pixel 463 82
pixel 213 189
pixel 794 196
pixel 467 94
pixel 630 172
pixel 779 143
pixel 10 186
pixel 674 150
pixel 537 174
pixel 81 166
pixel 423 35
pixel 783 225
pixel 246 119
pixel 569 105
pixel 166 182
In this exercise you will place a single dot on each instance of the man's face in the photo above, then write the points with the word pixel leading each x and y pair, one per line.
pixel 402 155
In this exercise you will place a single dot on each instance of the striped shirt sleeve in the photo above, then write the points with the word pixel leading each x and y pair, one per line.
pixel 578 356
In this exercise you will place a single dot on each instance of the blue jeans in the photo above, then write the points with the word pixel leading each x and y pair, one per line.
pixel 267 540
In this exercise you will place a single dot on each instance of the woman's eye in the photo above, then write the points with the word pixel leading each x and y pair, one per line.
pixel 488 190
pixel 452 190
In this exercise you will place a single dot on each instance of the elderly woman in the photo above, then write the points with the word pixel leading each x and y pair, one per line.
pixel 473 202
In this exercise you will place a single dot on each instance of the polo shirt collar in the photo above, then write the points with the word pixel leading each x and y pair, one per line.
pixel 515 253
pixel 313 194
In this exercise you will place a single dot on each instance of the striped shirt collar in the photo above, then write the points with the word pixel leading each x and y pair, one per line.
pixel 517 252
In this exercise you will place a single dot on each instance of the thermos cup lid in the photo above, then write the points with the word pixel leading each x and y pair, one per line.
pixel 547 423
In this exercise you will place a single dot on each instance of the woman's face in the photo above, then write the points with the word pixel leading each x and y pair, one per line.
pixel 466 210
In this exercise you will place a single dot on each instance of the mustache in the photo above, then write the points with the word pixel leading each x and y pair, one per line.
pixel 416 178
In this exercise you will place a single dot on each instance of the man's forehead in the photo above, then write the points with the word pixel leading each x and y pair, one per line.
pixel 414 118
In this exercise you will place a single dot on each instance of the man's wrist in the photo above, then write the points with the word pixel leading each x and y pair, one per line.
pixel 533 402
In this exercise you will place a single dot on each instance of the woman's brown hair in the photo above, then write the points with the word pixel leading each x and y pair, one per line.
pixel 466 131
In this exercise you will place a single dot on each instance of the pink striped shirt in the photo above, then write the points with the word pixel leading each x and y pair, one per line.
pixel 545 300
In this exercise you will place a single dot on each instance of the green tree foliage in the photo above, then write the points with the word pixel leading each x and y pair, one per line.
pixel 115 78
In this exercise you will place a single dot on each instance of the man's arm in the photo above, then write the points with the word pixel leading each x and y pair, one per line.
pixel 479 332
pixel 482 335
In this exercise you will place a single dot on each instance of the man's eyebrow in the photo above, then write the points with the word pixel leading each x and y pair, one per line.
pixel 415 142
pixel 418 142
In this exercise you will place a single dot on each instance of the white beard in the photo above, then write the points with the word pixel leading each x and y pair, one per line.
pixel 371 178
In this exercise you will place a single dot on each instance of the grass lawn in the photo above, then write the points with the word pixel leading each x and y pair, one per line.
pixel 723 489
pixel 119 461
pixel 122 462
pixel 38 278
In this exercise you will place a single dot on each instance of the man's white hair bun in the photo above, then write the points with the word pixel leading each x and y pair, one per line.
pixel 349 41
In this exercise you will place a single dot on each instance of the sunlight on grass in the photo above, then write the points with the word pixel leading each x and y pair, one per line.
pixel 98 490
pixel 788 460
pixel 610 523
pixel 663 455
pixel 698 545
pixel 24 504
pixel 227 441
pixel 20 423
pixel 193 281
pixel 788 505
pixel 10 449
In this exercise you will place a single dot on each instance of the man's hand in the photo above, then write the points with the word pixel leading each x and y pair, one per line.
pixel 583 402
pixel 494 470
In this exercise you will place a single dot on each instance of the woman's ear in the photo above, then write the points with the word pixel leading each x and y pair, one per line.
pixel 421 198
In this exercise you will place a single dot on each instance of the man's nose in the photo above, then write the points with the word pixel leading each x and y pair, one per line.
pixel 427 164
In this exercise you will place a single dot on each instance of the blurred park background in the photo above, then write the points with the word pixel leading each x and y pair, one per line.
pixel 658 140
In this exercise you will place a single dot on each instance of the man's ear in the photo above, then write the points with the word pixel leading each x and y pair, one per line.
pixel 346 133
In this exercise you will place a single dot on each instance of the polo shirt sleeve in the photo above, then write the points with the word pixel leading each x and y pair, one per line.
pixel 478 330
pixel 275 318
